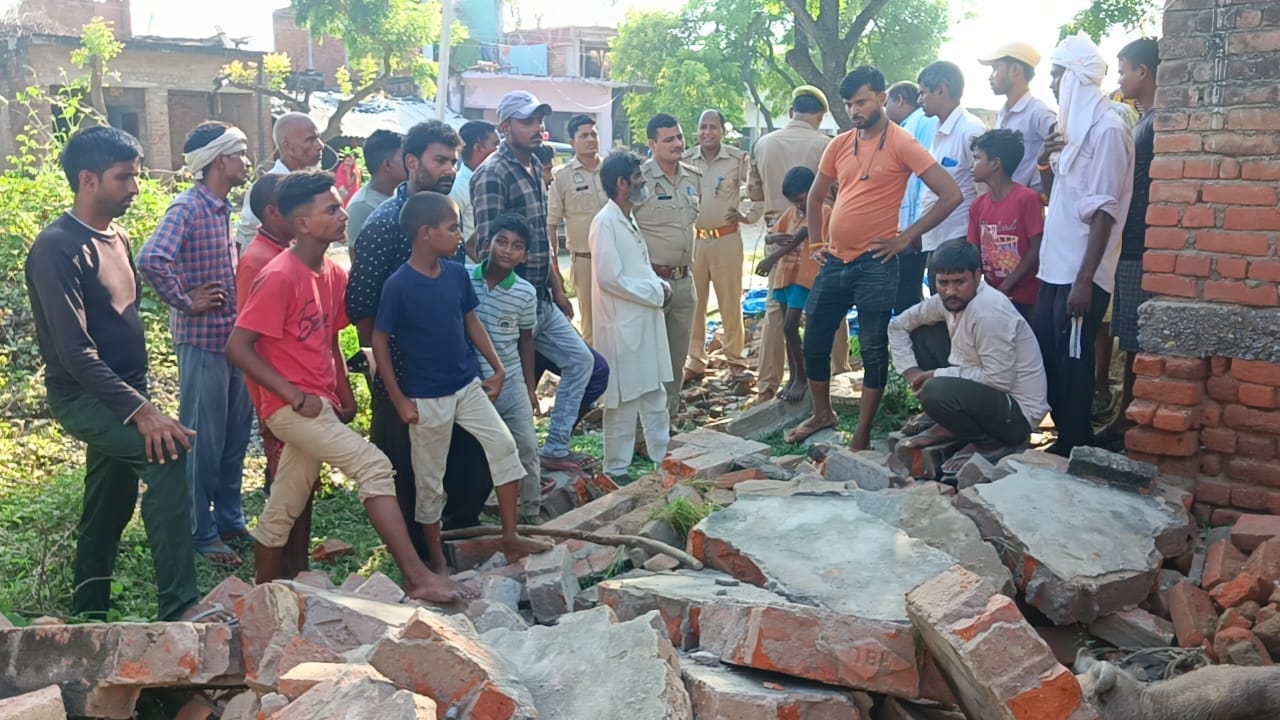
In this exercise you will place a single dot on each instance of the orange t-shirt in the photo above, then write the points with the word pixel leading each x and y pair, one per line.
pixel 866 210
pixel 798 266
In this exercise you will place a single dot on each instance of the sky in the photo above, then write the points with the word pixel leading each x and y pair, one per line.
pixel 985 23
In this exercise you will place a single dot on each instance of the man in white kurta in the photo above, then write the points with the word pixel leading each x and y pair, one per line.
pixel 628 325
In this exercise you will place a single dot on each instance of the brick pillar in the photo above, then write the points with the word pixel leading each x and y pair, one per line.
pixel 1207 391
pixel 155 129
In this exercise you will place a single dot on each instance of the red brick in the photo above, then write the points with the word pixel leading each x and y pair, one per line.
pixel 1237 646
pixel 1240 293
pixel 1258 396
pixel 1182 368
pixel 1250 531
pixel 1223 388
pixel 1255 471
pixel 728 480
pixel 1176 419
pixel 1141 412
pixel 1177 192
pixel 1136 456
pixel 1148 365
pixel 1259 169
pixel 1264 270
pixel 1213 491
pixel 1172 285
pixel 1259 447
pixel 1167 168
pixel 1221 440
pixel 1167 238
pixel 1232 267
pixel 1163 215
pixel 1249 497
pixel 1211 464
pixel 1157 442
pixel 1192 613
pixel 1224 516
pixel 1173 392
pixel 1240 143
pixel 1240 193
pixel 1230 169
pixel 1177 143
pixel 1239 218
pixel 1199 216
pixel 1241 588
pixel 1220 365
pixel 1265 561
pixel 1222 562
pixel 1240 417
pixel 1254 118
pixel 1194 265
pixel 1254 371
pixel 1211 414
pixel 1159 262
pixel 1183 467
pixel 1231 242
pixel 1273 503
pixel 1206 168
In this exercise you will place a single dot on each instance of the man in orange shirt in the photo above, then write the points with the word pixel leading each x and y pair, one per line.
pixel 872 164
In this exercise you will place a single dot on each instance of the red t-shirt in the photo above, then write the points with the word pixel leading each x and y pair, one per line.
pixel 257 254
pixel 298 313
pixel 1003 229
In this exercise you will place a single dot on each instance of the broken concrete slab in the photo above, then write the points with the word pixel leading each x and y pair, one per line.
pixel 769 417
pixel 443 658
pixel 610 507
pixel 551 582
pixel 807 484
pixel 302 678
pixel 723 693
pixel 592 666
pixel 299 650
pixel 865 568
pixel 270 616
pixel 680 598
pixel 1101 557
pixel 43 704
pixel 896 709
pixel 341 622
pixel 867 470
pixel 1135 628
pixel 353 694
pixel 1028 459
pixel 381 588
pixel 244 706
pixel 990 655
pixel 487 615
pixel 706 454
pixel 846 392
pixel 1112 468
pixel 975 471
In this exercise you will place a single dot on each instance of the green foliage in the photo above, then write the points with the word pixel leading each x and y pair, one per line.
pixel 97 42
pixel 682 515
pixel 1103 16
pixel 904 38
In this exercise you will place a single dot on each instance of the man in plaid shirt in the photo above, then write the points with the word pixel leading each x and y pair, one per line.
pixel 190 261
pixel 510 181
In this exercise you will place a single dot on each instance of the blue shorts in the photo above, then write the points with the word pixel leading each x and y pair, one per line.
pixel 793 297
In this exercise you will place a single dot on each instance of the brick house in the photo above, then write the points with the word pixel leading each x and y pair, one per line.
pixel 1208 390
pixel 324 56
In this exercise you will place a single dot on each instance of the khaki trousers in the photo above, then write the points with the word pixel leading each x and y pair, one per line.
pixel 679 317
pixel 773 347
pixel 718 262
pixel 580 276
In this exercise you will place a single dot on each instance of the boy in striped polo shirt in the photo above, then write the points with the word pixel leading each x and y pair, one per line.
pixel 508 310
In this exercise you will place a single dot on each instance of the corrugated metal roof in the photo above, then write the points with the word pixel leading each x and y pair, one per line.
pixel 380 113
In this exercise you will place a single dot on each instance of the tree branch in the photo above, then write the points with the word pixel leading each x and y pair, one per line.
pixel 804 21
pixel 861 22
pixel 293 102
pixel 334 127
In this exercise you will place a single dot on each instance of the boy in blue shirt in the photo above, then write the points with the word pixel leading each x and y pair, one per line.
pixel 428 308
pixel 508 310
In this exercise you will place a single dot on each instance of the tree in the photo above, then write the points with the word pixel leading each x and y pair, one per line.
pixel 98 46
pixel 680 72
pixel 383 38
pixel 1102 16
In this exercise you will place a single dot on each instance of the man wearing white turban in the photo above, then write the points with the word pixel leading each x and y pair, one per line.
pixel 190 261
pixel 1087 170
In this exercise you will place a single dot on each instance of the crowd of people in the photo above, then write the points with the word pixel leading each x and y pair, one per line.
pixel 461 307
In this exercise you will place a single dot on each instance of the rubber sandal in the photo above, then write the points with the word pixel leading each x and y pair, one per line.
pixel 213 609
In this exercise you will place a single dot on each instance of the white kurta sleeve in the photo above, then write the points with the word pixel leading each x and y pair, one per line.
pixel 610 273
pixel 927 312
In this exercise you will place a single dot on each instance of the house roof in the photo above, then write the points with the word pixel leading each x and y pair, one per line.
pixel 381 113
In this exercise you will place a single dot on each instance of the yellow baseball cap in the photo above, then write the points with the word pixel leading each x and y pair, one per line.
pixel 811 90
pixel 1016 50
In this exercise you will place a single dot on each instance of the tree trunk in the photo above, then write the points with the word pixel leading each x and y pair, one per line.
pixel 334 128
pixel 97 100
pixel 833 47
pixel 760 104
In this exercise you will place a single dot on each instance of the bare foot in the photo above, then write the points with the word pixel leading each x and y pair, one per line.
pixel 518 546
pixel 435 588
pixel 559 464
pixel 794 392
pixel 957 461
pixel 814 424
pixel 932 436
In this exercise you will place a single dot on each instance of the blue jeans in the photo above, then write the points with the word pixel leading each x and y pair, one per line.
pixel 556 339
pixel 214 401
pixel 865 283
pixel 596 386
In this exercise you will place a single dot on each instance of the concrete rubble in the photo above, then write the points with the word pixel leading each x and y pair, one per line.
pixel 43 704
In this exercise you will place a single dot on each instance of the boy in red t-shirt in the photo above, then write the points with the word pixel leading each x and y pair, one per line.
pixel 796 270
pixel 286 341
pixel 1007 223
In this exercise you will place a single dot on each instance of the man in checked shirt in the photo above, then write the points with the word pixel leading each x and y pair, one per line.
pixel 190 261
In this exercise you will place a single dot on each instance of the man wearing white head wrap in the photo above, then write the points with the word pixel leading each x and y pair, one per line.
pixel 1087 170
pixel 190 261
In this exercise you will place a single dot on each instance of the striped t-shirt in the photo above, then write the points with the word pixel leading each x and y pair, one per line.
pixel 505 310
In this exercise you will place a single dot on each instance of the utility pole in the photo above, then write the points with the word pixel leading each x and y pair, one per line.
pixel 442 77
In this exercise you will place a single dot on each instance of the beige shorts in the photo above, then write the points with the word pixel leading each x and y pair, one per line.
pixel 309 443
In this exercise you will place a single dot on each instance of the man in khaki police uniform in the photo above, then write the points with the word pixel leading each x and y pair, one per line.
pixel 717 247
pixel 798 143
pixel 666 218
pixel 575 198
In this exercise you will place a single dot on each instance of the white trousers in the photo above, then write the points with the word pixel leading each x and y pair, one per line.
pixel 620 430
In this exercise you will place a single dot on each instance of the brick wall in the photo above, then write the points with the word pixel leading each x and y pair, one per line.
pixel 70 16
pixel 1207 390
pixel 327 55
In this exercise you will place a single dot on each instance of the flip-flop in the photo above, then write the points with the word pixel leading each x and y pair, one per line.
pixel 221 554
pixel 213 609
pixel 560 464
pixel 796 435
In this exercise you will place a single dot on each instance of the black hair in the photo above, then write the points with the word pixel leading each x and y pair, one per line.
pixel 426 209
pixel 263 194
pixel 96 149
pixel 797 180
pixel 860 77
pixel 943 73
pixel 203 134
pixel 1004 145
pixel 545 154
pixel 906 91
pixel 576 122
pixel 1143 52
pixel 513 223
pixel 955 256
pixel 426 134
pixel 719 115
pixel 299 189
pixel 619 164
pixel 660 121
pixel 1028 72
pixel 380 147
pixel 808 104
pixel 473 133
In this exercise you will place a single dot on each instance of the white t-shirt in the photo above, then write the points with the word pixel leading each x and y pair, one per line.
pixel 951 149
